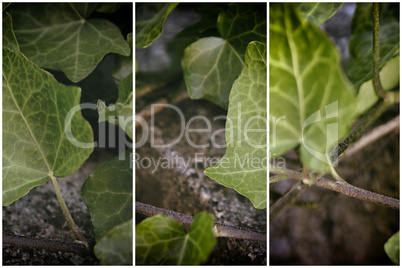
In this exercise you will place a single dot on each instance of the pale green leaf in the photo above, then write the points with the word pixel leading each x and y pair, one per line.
pixel 392 248
pixel 124 65
pixel 116 247
pixel 43 135
pixel 244 165
pixel 61 37
pixel 150 18
pixel 211 65
pixel 317 13
pixel 360 65
pixel 162 240
pixel 311 101
pixel 389 77
pixel 9 39
pixel 121 113
pixel 108 194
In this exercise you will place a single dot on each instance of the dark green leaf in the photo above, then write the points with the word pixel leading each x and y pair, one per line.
pixel 60 37
pixel 124 65
pixel 244 165
pixel 311 101
pixel 108 7
pixel 9 39
pixel 44 133
pixel 149 22
pixel 116 247
pixel 317 13
pixel 108 194
pixel 360 65
pixel 162 240
pixel 392 246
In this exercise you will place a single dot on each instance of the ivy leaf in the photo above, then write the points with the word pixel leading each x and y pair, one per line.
pixel 44 135
pixel 149 22
pixel 392 246
pixel 124 65
pixel 317 13
pixel 360 65
pixel 116 247
pixel 108 7
pixel 389 77
pixel 9 39
pixel 108 194
pixel 244 167
pixel 61 37
pixel 211 65
pixel 121 113
pixel 162 240
pixel 311 101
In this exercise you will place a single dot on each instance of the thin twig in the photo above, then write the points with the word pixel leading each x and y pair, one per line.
pixel 374 135
pixel 220 229
pixel 37 243
pixel 346 189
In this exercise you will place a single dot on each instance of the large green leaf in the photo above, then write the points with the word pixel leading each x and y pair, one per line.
pixel 317 13
pixel 9 39
pixel 162 240
pixel 244 165
pixel 61 37
pixel 311 101
pixel 392 248
pixel 121 113
pixel 212 64
pixel 43 135
pixel 149 20
pixel 389 77
pixel 108 194
pixel 360 65
pixel 116 247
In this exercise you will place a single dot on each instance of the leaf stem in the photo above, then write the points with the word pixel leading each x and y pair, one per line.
pixel 67 214
pixel 220 230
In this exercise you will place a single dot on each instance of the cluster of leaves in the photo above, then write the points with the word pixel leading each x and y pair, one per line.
pixel 44 133
pixel 223 60
pixel 313 99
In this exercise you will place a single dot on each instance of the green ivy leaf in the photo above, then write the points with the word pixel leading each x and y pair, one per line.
pixel 108 194
pixel 121 113
pixel 9 39
pixel 211 65
pixel 61 37
pixel 162 240
pixel 124 65
pixel 317 13
pixel 116 247
pixel 392 246
pixel 389 77
pixel 360 65
pixel 149 22
pixel 39 125
pixel 108 7
pixel 244 167
pixel 311 101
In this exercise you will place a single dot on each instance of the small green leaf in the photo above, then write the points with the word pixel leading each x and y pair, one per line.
pixel 317 13
pixel 392 246
pixel 360 65
pixel 121 113
pixel 124 65
pixel 211 65
pixel 244 165
pixel 389 77
pixel 44 133
pixel 108 194
pixel 9 39
pixel 116 247
pixel 60 37
pixel 311 101
pixel 162 240
pixel 108 7
pixel 149 22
